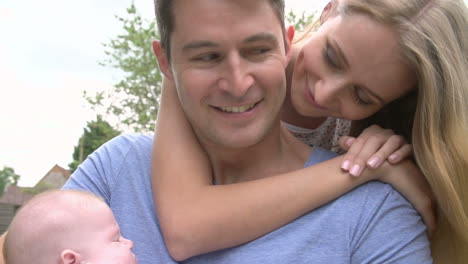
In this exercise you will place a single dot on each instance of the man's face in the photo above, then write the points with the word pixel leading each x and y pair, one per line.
pixel 227 61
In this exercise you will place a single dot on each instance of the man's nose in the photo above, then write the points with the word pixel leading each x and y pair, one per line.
pixel 237 77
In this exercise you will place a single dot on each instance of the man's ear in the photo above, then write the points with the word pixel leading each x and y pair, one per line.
pixel 69 256
pixel 328 11
pixel 290 31
pixel 162 59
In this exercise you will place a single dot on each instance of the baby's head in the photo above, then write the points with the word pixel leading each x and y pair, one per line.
pixel 66 226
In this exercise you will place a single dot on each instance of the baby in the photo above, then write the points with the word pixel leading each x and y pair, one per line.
pixel 66 226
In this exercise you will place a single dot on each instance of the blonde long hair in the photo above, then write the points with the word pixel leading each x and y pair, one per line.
pixel 434 42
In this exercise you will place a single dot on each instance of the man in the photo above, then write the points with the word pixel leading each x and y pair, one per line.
pixel 227 59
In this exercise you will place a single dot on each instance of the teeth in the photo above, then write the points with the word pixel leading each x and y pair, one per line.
pixel 239 109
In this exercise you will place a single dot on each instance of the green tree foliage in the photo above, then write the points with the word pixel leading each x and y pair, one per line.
pixel 94 135
pixel 300 22
pixel 135 98
pixel 7 177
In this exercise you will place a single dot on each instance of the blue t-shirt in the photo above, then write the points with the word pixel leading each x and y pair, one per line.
pixel 371 224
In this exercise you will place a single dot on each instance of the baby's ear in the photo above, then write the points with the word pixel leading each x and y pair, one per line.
pixel 69 256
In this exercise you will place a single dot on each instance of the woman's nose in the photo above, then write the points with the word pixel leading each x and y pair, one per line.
pixel 327 92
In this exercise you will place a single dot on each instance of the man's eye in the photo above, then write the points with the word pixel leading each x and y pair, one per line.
pixel 260 51
pixel 210 57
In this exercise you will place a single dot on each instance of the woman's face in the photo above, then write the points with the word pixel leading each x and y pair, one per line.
pixel 350 68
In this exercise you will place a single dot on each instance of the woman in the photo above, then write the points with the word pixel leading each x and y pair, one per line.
pixel 428 67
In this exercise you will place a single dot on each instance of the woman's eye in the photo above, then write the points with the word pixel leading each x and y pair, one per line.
pixel 361 97
pixel 330 56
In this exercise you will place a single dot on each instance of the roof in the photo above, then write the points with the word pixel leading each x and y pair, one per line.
pixel 54 179
pixel 15 195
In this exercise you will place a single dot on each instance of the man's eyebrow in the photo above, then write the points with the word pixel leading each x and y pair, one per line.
pixel 198 44
pixel 264 36
pixel 209 44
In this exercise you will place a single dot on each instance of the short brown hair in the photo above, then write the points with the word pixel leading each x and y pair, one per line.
pixel 165 19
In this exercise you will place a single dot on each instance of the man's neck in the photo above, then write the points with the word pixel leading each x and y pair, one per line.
pixel 279 152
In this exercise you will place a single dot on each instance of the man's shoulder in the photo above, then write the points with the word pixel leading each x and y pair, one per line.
pixel 384 225
pixel 125 144
pixel 125 152
pixel 372 195
pixel 318 155
pixel 368 195
pixel 132 140
pixel 368 199
pixel 113 160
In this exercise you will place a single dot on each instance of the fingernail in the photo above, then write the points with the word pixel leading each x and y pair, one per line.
pixel 373 162
pixel 346 164
pixel 393 157
pixel 349 142
pixel 356 170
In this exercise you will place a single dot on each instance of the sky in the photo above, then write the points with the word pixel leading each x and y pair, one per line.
pixel 49 54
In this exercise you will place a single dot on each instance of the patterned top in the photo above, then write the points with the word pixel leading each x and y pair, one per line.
pixel 326 136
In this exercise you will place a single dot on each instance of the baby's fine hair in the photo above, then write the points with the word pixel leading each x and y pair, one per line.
pixel 43 218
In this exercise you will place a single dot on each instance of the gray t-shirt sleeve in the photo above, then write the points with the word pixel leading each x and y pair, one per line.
pixel 120 165
pixel 97 173
pixel 388 229
pixel 385 227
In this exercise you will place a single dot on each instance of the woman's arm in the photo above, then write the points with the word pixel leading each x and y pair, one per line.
pixel 198 217
pixel 2 241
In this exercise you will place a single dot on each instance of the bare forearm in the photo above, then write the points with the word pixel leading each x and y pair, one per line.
pixel 198 217
pixel 2 240
pixel 210 217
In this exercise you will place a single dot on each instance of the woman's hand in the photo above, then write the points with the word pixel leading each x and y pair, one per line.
pixel 379 149
pixel 371 148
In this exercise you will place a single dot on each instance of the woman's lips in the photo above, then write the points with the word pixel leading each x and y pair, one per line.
pixel 311 97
